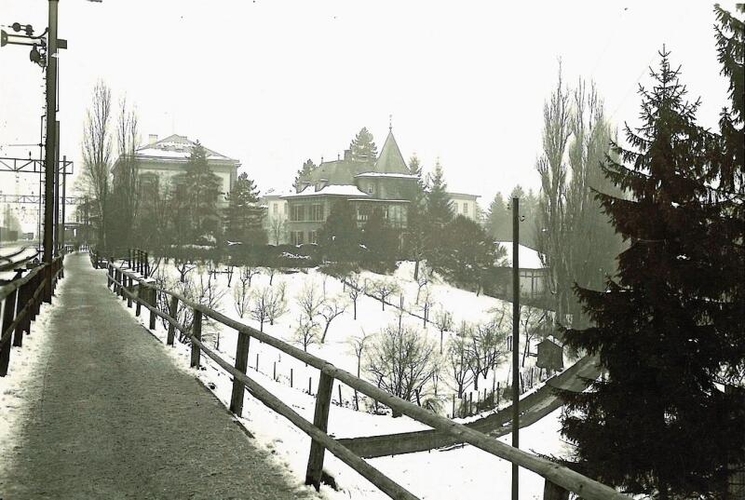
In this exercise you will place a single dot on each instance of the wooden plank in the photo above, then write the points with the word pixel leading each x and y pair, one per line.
pixel 23 298
pixel 380 480
pixel 241 364
pixel 320 421
pixel 197 334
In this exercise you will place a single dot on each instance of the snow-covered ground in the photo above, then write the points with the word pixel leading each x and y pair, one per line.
pixel 462 472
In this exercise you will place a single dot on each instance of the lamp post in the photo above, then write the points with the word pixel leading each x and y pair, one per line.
pixel 50 146
pixel 515 340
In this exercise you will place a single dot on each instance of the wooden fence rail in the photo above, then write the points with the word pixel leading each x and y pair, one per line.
pixel 559 479
pixel 21 302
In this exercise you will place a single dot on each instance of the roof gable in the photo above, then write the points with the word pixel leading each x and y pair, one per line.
pixel 176 147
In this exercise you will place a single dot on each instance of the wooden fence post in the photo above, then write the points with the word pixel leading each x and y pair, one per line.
pixel 197 332
pixel 129 289
pixel 152 297
pixel 173 312
pixel 554 492
pixel 8 315
pixel 138 300
pixel 47 272
pixel 241 364
pixel 23 298
pixel 320 420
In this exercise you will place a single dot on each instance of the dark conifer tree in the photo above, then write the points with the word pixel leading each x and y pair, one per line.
pixel 439 205
pixel 498 223
pixel 415 237
pixel 244 215
pixel 380 241
pixel 339 238
pixel 363 147
pixel 304 173
pixel 667 326
pixel 202 190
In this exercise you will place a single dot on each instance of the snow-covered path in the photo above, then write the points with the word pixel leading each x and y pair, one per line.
pixel 110 416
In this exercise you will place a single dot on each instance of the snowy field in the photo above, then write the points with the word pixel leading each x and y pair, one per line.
pixel 462 472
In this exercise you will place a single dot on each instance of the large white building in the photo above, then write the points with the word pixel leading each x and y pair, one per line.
pixel 162 162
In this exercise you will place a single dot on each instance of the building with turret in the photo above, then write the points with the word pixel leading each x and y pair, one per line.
pixel 385 184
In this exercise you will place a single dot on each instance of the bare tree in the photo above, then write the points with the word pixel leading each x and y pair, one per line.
pixel 126 189
pixel 427 303
pixel 486 345
pixel 422 283
pixel 534 322
pixel 443 322
pixel 306 332
pixel 247 274
pixel 260 304
pixel 277 303
pixel 382 289
pixel 358 347
pixel 329 312
pixel 97 147
pixel 241 298
pixel 459 362
pixel 401 362
pixel 277 229
pixel 310 300
pixel 354 289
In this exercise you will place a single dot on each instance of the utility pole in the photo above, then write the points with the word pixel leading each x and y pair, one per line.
pixel 515 340
pixel 50 148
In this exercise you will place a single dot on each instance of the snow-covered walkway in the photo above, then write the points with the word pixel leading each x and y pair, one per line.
pixel 110 416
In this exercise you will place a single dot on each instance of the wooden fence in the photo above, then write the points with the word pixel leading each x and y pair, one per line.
pixel 559 480
pixel 21 299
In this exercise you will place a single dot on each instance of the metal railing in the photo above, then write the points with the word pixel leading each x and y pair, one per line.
pixel 559 480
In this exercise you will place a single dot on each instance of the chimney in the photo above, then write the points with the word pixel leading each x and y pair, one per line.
pixel 152 138
pixel 347 154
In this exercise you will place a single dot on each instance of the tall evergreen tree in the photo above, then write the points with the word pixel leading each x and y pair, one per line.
pixel 415 238
pixel 439 205
pixel 363 147
pixel 202 190
pixel 498 222
pixel 304 172
pixel 339 238
pixel 244 215
pixel 670 323
pixel 380 240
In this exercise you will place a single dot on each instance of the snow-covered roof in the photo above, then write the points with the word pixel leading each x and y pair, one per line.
pixel 387 174
pixel 529 258
pixel 176 147
pixel 333 189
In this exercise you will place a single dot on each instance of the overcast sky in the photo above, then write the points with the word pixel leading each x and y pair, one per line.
pixel 272 83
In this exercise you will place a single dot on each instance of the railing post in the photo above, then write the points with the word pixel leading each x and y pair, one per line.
pixel 320 420
pixel 47 272
pixel 241 364
pixel 172 312
pixel 23 298
pixel 38 283
pixel 153 300
pixel 138 300
pixel 197 332
pixel 9 310
pixel 146 264
pixel 129 289
pixel 554 492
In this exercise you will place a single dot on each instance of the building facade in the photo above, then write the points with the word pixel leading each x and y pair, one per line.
pixel 384 184
pixel 466 205
pixel 163 163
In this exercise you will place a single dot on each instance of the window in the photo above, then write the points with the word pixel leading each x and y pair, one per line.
pixel 313 237
pixel 275 208
pixel 465 208
pixel 296 237
pixel 298 213
pixel 316 213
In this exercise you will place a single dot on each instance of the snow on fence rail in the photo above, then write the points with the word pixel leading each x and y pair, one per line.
pixel 21 301
pixel 560 480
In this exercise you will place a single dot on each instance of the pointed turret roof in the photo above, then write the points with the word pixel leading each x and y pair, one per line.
pixel 391 161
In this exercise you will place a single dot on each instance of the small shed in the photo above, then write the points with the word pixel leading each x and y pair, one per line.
pixel 550 355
